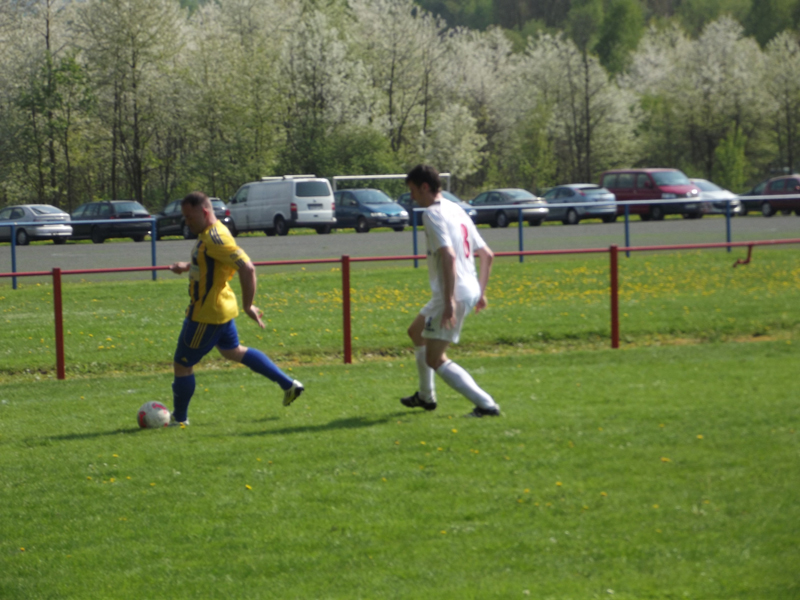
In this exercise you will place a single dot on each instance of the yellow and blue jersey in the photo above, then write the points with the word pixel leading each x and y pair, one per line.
pixel 215 258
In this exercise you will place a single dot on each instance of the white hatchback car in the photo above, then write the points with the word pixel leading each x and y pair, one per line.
pixel 715 199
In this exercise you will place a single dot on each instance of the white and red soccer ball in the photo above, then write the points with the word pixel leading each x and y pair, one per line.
pixel 153 415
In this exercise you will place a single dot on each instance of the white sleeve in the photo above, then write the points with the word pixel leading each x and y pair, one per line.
pixel 473 233
pixel 438 236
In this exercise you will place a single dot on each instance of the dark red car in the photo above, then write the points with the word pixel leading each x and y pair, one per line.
pixel 786 190
pixel 653 184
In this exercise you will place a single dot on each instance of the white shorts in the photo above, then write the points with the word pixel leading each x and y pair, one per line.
pixel 433 312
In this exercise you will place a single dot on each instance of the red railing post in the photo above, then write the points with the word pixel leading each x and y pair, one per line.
pixel 57 307
pixel 348 344
pixel 612 251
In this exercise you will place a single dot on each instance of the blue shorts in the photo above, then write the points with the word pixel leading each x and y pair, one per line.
pixel 198 339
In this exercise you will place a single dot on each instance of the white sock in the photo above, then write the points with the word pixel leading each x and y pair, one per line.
pixel 427 387
pixel 462 382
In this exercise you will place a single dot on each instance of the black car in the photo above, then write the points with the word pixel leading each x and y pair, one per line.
pixel 84 217
pixel 170 220
pixel 753 205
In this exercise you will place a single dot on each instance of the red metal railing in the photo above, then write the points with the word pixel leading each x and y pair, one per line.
pixel 345 261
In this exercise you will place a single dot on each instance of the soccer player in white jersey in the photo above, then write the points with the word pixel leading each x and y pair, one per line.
pixel 453 242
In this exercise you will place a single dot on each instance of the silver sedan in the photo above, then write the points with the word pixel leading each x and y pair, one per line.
pixel 37 222
pixel 576 201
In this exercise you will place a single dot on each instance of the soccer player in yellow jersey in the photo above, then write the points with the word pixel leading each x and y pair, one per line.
pixel 212 308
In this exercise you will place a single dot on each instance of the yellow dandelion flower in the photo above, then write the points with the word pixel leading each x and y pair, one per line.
pixel 665 459
pixel 248 487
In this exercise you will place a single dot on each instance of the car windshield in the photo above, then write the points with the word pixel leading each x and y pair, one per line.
pixel 706 186
pixel 671 178
pixel 217 204
pixel 373 197
pixel 45 210
pixel 520 195
pixel 309 189
pixel 451 197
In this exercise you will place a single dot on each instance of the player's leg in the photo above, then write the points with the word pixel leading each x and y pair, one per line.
pixel 229 346
pixel 193 343
pixel 182 391
pixel 437 341
pixel 425 396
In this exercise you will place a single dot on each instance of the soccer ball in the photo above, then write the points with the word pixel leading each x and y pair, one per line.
pixel 153 415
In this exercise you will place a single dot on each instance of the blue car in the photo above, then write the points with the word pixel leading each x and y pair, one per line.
pixel 366 209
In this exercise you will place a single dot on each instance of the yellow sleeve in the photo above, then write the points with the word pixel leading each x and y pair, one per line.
pixel 221 246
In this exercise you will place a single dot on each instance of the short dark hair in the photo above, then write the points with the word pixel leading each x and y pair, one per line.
pixel 196 199
pixel 425 174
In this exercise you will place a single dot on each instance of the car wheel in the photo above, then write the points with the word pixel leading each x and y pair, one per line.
pixel 97 237
pixel 281 228
pixel 186 232
pixel 572 217
pixel 656 213
pixel 534 222
pixel 767 210
pixel 797 212
pixel 693 216
pixel 323 229
pixel 501 219
pixel 399 228
pixel 59 241
pixel 138 238
pixel 22 238
pixel 361 225
pixel 610 219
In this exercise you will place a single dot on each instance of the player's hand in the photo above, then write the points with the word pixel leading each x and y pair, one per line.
pixel 482 303
pixel 255 313
pixel 179 267
pixel 449 316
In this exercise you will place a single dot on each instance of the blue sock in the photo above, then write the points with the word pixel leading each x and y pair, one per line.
pixel 182 392
pixel 261 364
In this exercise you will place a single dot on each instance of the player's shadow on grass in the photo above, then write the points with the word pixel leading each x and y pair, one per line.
pixel 42 441
pixel 350 423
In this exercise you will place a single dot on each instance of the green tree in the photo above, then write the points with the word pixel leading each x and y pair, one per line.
pixel 767 18
pixel 620 32
pixel 730 167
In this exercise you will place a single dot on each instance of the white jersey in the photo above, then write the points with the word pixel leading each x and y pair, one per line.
pixel 446 224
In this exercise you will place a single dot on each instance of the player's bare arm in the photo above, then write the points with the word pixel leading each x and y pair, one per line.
pixel 486 257
pixel 179 267
pixel 247 279
pixel 448 262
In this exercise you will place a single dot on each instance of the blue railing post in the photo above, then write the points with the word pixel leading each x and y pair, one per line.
pixel 153 236
pixel 728 223
pixel 414 227
pixel 13 255
pixel 627 229
pixel 521 242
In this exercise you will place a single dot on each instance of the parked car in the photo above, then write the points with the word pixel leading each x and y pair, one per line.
pixel 275 205
pixel 715 200
pixel 786 188
pixel 755 204
pixel 51 223
pixel 593 202
pixel 170 220
pixel 122 211
pixel 653 184
pixel 406 202
pixel 365 209
pixel 534 208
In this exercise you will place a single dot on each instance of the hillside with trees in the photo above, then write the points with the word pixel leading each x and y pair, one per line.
pixel 149 99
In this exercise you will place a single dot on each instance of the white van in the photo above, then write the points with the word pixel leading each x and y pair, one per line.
pixel 276 204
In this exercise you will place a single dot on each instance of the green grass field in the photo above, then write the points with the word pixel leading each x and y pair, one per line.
pixel 667 469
